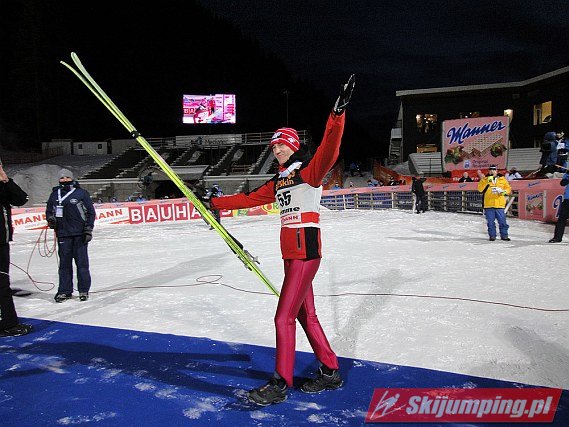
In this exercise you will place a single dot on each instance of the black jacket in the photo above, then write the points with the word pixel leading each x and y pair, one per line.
pixel 417 187
pixel 10 195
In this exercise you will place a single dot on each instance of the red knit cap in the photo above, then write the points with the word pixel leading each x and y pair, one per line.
pixel 287 136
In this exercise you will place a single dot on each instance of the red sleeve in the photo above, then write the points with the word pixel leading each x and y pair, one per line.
pixel 327 153
pixel 260 196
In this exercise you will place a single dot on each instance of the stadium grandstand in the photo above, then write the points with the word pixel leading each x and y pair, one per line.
pixel 237 162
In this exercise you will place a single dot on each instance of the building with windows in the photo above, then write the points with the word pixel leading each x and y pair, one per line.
pixel 534 106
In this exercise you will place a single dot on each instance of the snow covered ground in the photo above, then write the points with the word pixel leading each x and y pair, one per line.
pixel 380 273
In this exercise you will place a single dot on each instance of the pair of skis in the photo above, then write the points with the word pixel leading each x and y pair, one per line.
pixel 248 260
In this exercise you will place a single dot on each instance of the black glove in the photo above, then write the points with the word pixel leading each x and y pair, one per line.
pixel 87 234
pixel 51 222
pixel 345 95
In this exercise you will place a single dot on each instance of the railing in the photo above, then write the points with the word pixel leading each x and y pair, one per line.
pixel 445 201
pixel 186 141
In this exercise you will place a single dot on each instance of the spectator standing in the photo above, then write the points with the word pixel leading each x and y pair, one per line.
pixel 214 191
pixel 562 149
pixel 513 174
pixel 419 192
pixel 71 214
pixel 353 168
pixel 563 212
pixel 10 195
pixel 494 187
pixel 465 178
pixel 548 153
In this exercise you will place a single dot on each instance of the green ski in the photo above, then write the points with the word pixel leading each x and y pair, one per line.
pixel 248 260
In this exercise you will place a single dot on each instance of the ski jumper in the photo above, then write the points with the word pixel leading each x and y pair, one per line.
pixel 297 188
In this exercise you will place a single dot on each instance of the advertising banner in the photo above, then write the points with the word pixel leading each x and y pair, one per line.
pixel 135 213
pixel 475 143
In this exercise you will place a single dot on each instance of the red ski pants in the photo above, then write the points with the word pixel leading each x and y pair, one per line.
pixel 297 302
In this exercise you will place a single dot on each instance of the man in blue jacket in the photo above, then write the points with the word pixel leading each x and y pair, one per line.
pixel 71 214
pixel 563 212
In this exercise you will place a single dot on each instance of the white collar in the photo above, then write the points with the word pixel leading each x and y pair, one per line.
pixel 288 170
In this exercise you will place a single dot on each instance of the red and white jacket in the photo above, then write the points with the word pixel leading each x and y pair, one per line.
pixel 297 189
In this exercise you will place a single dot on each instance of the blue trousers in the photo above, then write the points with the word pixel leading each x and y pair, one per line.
pixel 73 248
pixel 493 214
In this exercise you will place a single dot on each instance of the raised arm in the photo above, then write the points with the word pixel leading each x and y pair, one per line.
pixel 329 149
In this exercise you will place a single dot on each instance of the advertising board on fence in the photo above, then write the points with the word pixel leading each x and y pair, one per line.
pixel 135 213
pixel 537 200
pixel 475 143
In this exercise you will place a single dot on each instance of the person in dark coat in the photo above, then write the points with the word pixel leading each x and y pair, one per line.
pixel 420 196
pixel 71 214
pixel 10 195
pixel 214 191
pixel 465 178
pixel 548 153
pixel 563 212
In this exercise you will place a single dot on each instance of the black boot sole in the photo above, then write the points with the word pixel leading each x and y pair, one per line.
pixel 264 402
pixel 328 388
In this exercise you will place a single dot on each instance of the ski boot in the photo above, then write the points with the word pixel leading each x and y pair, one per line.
pixel 16 331
pixel 323 381
pixel 275 391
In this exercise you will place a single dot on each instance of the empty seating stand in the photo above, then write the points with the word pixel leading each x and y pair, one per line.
pixel 126 160
pixel 426 164
pixel 525 160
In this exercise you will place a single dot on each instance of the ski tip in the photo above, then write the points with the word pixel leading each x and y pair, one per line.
pixel 65 64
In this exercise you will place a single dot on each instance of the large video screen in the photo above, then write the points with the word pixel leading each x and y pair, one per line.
pixel 218 108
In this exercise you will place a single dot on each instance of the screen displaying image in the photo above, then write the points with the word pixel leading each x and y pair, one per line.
pixel 218 108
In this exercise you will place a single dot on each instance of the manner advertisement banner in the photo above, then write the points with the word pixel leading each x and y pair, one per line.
pixel 475 143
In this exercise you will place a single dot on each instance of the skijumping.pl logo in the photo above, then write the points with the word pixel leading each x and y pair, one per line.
pixel 449 405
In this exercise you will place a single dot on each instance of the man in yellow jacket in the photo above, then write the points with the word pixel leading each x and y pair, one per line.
pixel 495 188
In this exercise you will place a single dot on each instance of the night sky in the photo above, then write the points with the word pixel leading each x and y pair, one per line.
pixel 147 56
